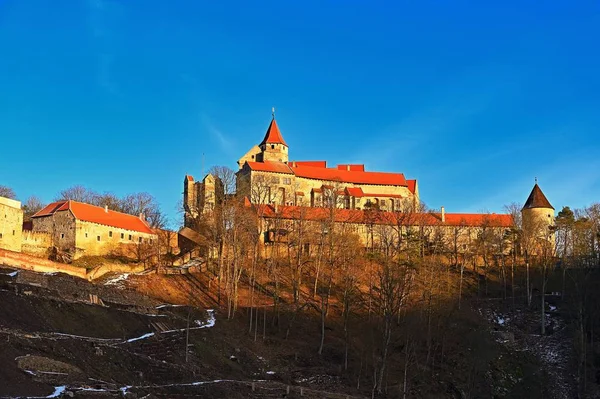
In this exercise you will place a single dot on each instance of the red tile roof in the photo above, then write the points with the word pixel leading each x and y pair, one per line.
pixel 383 195
pixel 189 177
pixel 355 191
pixel 277 167
pixel 353 167
pixel 349 176
pixel 391 218
pixel 412 185
pixel 316 164
pixel 478 219
pixel 273 135
pixel 96 214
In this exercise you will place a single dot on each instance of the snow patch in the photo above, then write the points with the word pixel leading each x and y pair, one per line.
pixel 13 274
pixel 147 335
pixel 270 372
pixel 168 305
pixel 57 391
pixel 117 280
pixel 210 322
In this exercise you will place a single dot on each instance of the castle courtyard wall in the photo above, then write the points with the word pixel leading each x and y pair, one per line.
pixel 36 243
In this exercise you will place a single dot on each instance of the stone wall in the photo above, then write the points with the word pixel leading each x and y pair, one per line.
pixel 274 152
pixel 11 224
pixel 60 226
pixel 381 234
pixel 36 243
pixel 94 239
pixel 28 262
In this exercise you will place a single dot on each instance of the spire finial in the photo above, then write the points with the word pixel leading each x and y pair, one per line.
pixel 273 112
pixel 536 180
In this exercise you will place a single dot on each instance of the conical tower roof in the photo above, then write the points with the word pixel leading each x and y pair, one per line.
pixel 273 135
pixel 537 199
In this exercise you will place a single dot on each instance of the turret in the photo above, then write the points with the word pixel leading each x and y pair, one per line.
pixel 273 147
pixel 538 220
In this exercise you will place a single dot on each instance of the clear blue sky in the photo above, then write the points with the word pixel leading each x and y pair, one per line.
pixel 474 100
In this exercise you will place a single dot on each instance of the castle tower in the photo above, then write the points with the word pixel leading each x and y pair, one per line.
pixel 538 219
pixel 273 147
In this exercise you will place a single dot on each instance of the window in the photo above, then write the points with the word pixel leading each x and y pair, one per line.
pixel 140 240
pixel 272 146
pixel 287 180
pixel 122 236
pixel 110 233
pixel 62 235
pixel 382 203
pixel 130 237
pixel 0 235
pixel 13 232
pixel 85 235
pixel 98 238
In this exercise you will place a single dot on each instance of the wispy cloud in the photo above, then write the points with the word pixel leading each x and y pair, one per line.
pixel 224 141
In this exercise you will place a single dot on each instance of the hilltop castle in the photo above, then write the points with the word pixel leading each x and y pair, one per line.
pixel 287 190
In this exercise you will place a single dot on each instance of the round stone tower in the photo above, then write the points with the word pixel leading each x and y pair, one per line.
pixel 538 220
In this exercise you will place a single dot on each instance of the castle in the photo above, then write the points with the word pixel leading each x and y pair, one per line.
pixel 283 190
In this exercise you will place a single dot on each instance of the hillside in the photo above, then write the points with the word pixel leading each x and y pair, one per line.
pixel 131 343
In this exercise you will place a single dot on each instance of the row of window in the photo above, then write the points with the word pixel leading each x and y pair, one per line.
pixel 110 234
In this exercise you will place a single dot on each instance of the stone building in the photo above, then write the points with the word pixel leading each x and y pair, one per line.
pixel 85 229
pixel 369 203
pixel 266 176
pixel 376 228
pixel 11 224
pixel 200 196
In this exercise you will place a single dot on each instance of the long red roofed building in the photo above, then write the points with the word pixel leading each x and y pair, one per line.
pixel 86 229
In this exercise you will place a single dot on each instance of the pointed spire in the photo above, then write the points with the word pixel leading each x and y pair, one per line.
pixel 537 199
pixel 273 135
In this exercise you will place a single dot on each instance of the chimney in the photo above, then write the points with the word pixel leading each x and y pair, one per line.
pixel 106 208
pixel 142 216
pixel 443 215
pixel 348 167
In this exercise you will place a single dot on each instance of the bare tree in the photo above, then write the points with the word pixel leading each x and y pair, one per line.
pixel 77 193
pixel 145 205
pixel 7 192
pixel 32 206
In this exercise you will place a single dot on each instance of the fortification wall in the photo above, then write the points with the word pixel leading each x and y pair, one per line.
pixel 36 243
pixel 28 262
